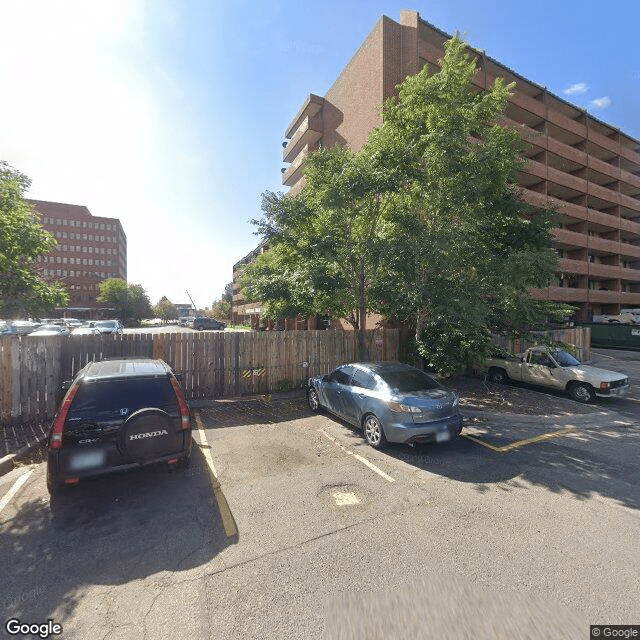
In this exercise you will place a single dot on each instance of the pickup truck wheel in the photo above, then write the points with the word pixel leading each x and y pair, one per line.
pixel 498 375
pixel 581 392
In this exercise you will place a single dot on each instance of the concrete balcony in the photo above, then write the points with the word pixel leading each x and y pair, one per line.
pixel 604 271
pixel 566 123
pixel 607 220
pixel 579 267
pixel 535 168
pixel 629 178
pixel 525 102
pixel 561 294
pixel 629 225
pixel 565 151
pixel 566 238
pixel 629 202
pixel 294 171
pixel 311 107
pixel 308 133
pixel 601 244
pixel 603 193
pixel 630 275
pixel 607 297
pixel 604 167
pixel 603 141
pixel 566 179
pixel 628 250
pixel 630 154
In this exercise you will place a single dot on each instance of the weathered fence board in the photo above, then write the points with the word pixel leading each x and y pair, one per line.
pixel 579 337
pixel 212 364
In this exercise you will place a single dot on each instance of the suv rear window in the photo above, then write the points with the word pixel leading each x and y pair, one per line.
pixel 114 394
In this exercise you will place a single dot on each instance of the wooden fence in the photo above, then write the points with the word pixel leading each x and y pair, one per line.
pixel 579 337
pixel 212 364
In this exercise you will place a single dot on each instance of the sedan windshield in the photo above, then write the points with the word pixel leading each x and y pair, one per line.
pixel 407 380
pixel 564 359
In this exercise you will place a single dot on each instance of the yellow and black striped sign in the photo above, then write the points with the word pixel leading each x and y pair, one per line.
pixel 260 371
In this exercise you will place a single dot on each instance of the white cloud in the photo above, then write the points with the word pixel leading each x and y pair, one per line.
pixel 601 103
pixel 576 89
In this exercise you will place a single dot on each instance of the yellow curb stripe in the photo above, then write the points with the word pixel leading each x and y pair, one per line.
pixel 364 461
pixel 228 521
pixel 480 442
pixel 521 443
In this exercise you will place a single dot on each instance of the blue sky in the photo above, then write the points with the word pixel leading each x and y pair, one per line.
pixel 170 114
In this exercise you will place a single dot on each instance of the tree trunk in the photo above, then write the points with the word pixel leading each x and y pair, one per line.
pixel 363 355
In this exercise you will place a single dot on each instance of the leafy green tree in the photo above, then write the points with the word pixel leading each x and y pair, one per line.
pixel 221 308
pixel 469 249
pixel 165 309
pixel 130 302
pixel 22 240
pixel 423 224
pixel 328 244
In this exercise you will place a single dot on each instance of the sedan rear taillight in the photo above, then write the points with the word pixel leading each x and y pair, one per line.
pixel 55 439
pixel 182 404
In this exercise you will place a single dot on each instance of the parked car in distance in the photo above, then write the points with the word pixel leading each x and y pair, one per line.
pixel 202 322
pixel 86 331
pixel 107 326
pixel 50 330
pixel 72 323
pixel 557 369
pixel 117 415
pixel 389 401
pixel 7 329
pixel 621 318
pixel 25 327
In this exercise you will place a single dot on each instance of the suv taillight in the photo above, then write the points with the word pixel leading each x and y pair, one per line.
pixel 182 404
pixel 55 440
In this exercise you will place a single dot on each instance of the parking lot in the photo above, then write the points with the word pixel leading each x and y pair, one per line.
pixel 287 524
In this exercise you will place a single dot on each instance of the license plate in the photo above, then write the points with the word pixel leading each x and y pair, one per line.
pixel 87 460
pixel 443 436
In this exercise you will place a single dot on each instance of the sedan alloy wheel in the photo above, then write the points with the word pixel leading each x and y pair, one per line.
pixel 373 432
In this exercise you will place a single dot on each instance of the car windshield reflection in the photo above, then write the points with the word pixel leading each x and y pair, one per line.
pixel 564 359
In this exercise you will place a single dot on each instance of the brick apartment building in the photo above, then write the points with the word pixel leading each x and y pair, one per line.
pixel 90 249
pixel 585 169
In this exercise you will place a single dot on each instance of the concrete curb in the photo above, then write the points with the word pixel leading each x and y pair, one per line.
pixel 6 462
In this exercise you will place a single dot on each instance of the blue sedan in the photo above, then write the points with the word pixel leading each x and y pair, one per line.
pixel 389 401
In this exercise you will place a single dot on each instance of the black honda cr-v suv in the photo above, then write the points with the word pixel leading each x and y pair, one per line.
pixel 118 414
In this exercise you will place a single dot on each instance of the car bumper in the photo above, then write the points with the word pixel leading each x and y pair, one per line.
pixel 437 431
pixel 618 391
pixel 59 469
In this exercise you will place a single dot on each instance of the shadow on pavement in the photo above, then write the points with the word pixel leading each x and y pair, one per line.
pixel 590 461
pixel 109 531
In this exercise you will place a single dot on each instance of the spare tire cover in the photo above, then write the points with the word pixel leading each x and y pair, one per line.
pixel 149 434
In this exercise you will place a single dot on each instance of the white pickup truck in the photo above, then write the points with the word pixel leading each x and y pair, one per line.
pixel 558 369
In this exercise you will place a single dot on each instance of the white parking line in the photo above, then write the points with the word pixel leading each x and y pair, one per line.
pixel 371 466
pixel 14 489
